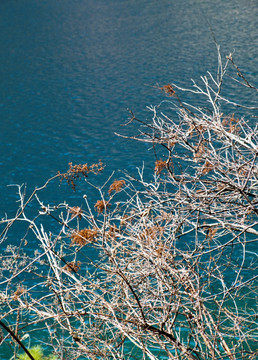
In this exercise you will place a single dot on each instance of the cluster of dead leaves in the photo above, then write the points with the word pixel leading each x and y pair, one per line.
pixel 207 167
pixel 116 186
pixel 101 205
pixel 80 171
pixel 76 211
pixel 230 123
pixel 168 89
pixel 83 237
pixel 159 166
pixel 19 291
pixel 72 266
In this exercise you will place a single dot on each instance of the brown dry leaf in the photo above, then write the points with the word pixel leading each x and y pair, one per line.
pixel 200 150
pixel 168 89
pixel 160 250
pixel 243 172
pixel 191 130
pixel 96 168
pixel 76 211
pixel 201 129
pixel 113 231
pixel 73 266
pixel 18 292
pixel 234 129
pixel 232 122
pixel 159 166
pixel 101 205
pixel 116 186
pixel 84 237
pixel 151 233
pixel 225 122
pixel 77 171
pixel 212 232
pixel 207 167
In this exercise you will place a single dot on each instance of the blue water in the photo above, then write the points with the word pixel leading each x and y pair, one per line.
pixel 70 69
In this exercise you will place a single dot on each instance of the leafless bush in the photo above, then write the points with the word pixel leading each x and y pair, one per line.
pixel 174 268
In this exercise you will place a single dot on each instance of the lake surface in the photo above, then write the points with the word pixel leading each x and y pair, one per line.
pixel 70 69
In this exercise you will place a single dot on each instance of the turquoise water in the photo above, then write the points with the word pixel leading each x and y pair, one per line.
pixel 70 69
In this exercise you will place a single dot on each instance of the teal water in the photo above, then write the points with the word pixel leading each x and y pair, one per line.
pixel 70 69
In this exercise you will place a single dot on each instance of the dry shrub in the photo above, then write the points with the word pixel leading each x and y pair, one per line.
pixel 116 186
pixel 84 237
pixel 19 291
pixel 199 151
pixel 199 128
pixel 159 166
pixel 73 266
pixel 76 211
pixel 207 167
pixel 151 233
pixel 113 231
pixel 233 128
pixel 231 124
pixel 168 89
pixel 127 219
pixel 160 250
pixel 225 122
pixel 101 205
pixel 164 216
pixel 244 172
pixel 211 232
pixel 77 171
